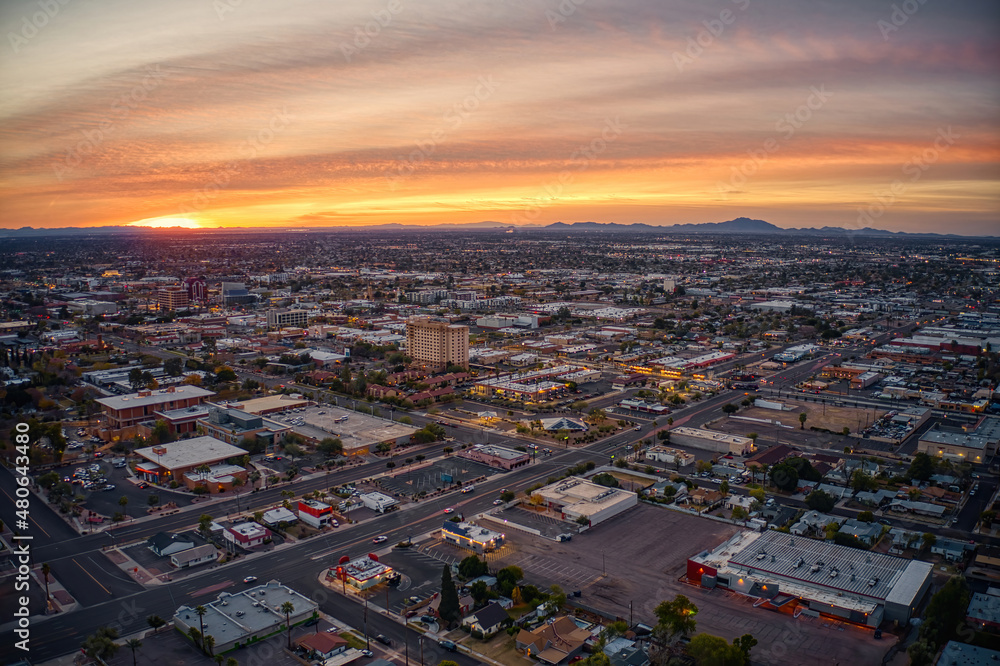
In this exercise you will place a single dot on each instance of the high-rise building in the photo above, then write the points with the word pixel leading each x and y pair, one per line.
pixel 284 317
pixel 197 290
pixel 437 344
pixel 172 298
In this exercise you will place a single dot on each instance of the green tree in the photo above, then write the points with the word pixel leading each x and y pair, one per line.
pixel 209 644
pixel 866 517
pixel 472 567
pixel 204 523
pixel 133 644
pixel 784 477
pixel 802 420
pixel 507 579
pixel 677 616
pixel 288 608
pixel 822 501
pixel 928 540
pixel 950 602
pixel 745 643
pixel 479 591
pixel 101 644
pixel 155 622
pixel 123 502
pixel 730 408
pixel 331 447
pixel 173 367
pixel 709 650
pixel 449 609
pixel 724 488
pixel 200 611
pixel 922 467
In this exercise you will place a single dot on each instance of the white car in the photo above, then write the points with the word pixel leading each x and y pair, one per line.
pixel 380 539
pixel 449 510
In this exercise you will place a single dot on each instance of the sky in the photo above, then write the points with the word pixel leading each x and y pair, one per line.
pixel 804 113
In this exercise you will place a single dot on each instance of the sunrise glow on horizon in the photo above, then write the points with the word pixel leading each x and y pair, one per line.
pixel 199 115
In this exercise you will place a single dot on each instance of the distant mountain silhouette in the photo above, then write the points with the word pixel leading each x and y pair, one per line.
pixel 741 225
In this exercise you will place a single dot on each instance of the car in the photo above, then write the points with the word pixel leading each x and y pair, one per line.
pixel 143 485
pixel 383 639
pixel 449 510
pixel 380 539
pixel 99 454
pixel 367 653
pixel 335 523
pixel 413 600
pixel 468 489
pixel 250 579
pixel 108 487
pixel 428 619
pixel 497 502
pixel 448 645
pixel 637 428
pixel 412 613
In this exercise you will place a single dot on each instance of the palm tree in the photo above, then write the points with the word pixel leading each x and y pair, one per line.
pixel 133 644
pixel 209 644
pixel 200 610
pixel 287 608
pixel 123 502
pixel 237 485
pixel 802 420
pixel 45 574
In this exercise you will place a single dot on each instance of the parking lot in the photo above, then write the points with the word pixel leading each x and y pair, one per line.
pixel 549 526
pixel 438 475
pixel 638 558
pixel 421 578
pixel 106 502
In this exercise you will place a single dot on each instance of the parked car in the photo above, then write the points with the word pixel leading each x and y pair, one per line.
pixel 383 639
pixel 367 653
pixel 108 487
pixel 448 645
pixel 143 485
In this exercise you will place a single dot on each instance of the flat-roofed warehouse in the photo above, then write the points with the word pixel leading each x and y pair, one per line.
pixel 796 574
pixel 575 497
pixel 175 459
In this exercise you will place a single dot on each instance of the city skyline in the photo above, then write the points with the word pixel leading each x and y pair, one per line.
pixel 226 113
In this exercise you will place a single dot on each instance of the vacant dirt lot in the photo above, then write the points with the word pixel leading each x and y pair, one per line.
pixel 644 553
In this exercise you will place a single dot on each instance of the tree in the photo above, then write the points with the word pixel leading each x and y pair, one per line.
pixel 331 447
pixel 231 661
pixel 225 374
pixel 155 622
pixel 758 494
pixel 866 517
pixel 449 609
pixel 135 378
pixel 288 608
pixel 209 644
pixel 133 644
pixel 507 579
pixel 677 616
pixel 173 367
pixel 557 597
pixel 928 540
pixel 724 488
pixel 472 567
pixel 123 502
pixel 238 484
pixel 820 500
pixel 949 603
pixel 745 643
pixel 45 576
pixel 784 477
pixel 479 591
pixel 200 610
pixel 204 523
pixel 922 467
pixel 802 420
pixel 739 513
pixel 709 650
pixel 730 408
pixel 101 644
pixel 861 480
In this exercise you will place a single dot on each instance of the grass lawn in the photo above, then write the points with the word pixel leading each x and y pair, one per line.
pixel 353 641
pixel 499 648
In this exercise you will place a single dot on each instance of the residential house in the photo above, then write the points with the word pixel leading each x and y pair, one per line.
pixel 165 544
pixel 950 549
pixel 323 646
pixel 814 521
pixel 488 620
pixel 867 533
pixel 705 497
pixel 553 642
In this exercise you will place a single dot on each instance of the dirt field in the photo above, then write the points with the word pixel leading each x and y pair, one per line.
pixel 645 552
pixel 834 418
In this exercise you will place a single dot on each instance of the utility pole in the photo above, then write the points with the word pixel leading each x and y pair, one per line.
pixel 367 640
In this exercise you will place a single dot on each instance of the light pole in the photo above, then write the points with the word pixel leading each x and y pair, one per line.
pixel 367 640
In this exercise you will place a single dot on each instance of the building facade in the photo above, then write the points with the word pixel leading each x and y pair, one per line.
pixel 437 344
pixel 285 318
pixel 172 298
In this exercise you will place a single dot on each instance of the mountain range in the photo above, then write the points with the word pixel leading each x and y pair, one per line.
pixel 740 225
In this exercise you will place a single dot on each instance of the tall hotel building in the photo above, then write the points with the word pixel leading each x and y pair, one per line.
pixel 437 344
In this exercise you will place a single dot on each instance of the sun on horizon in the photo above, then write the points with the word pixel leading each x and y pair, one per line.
pixel 166 222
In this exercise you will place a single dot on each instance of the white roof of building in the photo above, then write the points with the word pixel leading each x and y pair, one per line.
pixel 191 452
pixel 156 397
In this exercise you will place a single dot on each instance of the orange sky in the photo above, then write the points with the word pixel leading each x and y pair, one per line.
pixel 519 112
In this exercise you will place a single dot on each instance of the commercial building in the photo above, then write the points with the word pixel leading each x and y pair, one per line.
pixel 437 344
pixel 165 544
pixel 496 456
pixel 218 478
pixel 473 537
pixel 192 557
pixel 360 573
pixel 710 440
pixel 316 514
pixel 172 461
pixel 234 620
pixel 172 298
pixel 799 575
pixel 284 317
pixel 377 501
pixel 197 289
pixel 234 425
pixel 272 404
pixel 974 443
pixel 574 498
pixel 127 411
pixel 669 456
pixel 247 535
pixel 235 293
